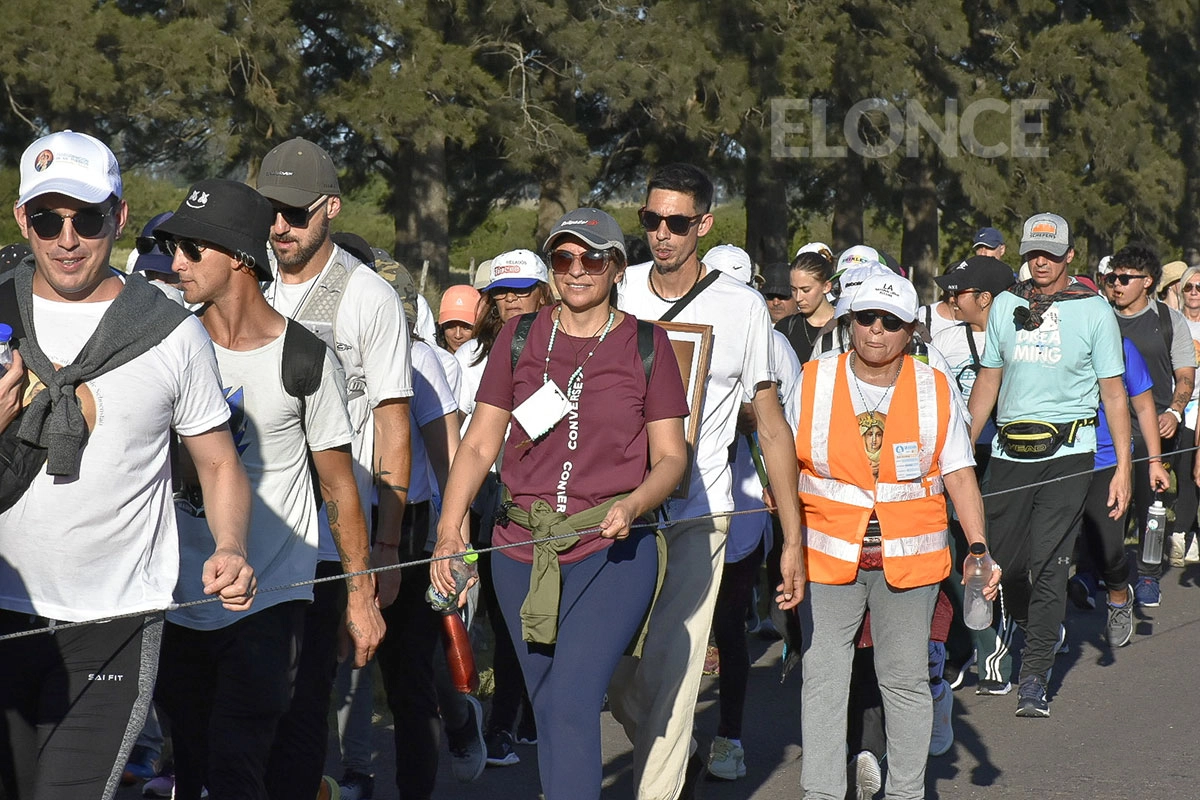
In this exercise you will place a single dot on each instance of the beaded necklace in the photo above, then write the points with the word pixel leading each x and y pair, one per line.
pixel 574 387
pixel 871 411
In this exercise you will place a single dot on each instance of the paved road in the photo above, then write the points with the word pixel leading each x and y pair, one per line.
pixel 1124 725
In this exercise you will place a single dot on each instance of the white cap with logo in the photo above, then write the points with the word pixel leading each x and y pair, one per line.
pixel 887 292
pixel 69 163
pixel 517 269
pixel 730 259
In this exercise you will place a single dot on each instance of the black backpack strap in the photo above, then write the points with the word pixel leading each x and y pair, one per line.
pixel 696 289
pixel 975 362
pixel 9 311
pixel 1165 327
pixel 520 335
pixel 645 343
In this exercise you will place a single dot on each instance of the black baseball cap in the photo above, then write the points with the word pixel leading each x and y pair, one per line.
pixel 227 214
pixel 777 280
pixel 984 273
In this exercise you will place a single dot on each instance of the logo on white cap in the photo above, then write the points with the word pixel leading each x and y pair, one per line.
pixel 198 199
pixel 43 161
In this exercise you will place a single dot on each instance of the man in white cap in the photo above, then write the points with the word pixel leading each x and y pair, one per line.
pixel 655 697
pixel 92 535
pixel 357 314
pixel 1053 352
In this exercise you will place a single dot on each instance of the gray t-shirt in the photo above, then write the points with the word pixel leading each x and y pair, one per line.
pixel 274 450
pixel 1143 329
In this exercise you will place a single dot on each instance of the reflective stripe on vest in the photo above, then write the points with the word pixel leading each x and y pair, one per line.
pixel 831 546
pixel 916 545
pixel 822 408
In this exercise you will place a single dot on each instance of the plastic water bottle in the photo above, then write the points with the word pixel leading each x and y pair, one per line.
pixel 1156 527
pixel 6 360
pixel 463 568
pixel 977 609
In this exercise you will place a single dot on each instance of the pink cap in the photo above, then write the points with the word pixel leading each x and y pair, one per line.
pixel 458 305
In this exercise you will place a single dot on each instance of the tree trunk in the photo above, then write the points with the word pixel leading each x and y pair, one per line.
pixel 431 214
pixel 1189 209
pixel 767 239
pixel 919 246
pixel 558 195
pixel 848 227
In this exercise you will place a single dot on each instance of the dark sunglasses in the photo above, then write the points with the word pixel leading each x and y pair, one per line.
pixel 1124 280
pixel 594 262
pixel 504 291
pixel 145 244
pixel 678 224
pixel 190 247
pixel 1192 287
pixel 297 216
pixel 87 222
pixel 867 319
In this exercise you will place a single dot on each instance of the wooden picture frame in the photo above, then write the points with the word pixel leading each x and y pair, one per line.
pixel 693 350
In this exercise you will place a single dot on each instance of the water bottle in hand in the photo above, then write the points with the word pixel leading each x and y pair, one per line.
pixel 463 568
pixel 977 609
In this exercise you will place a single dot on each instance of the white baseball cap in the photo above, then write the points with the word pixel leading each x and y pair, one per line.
pixel 820 248
pixel 857 256
pixel 852 279
pixel 74 164
pixel 887 292
pixel 730 259
pixel 517 269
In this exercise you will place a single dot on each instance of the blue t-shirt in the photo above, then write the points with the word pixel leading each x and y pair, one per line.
pixel 1137 380
pixel 1052 373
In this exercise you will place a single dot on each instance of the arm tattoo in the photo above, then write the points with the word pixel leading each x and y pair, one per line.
pixel 1183 391
pixel 381 480
pixel 331 509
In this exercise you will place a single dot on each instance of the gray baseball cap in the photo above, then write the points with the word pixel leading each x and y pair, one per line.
pixel 1048 232
pixel 296 173
pixel 590 225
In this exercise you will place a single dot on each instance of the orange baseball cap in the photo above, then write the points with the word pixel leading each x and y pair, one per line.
pixel 458 305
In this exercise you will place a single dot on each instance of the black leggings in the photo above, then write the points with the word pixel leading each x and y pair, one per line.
pixel 73 703
pixel 729 629
pixel 1102 545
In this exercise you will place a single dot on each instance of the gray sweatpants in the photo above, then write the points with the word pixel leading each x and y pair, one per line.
pixel 830 617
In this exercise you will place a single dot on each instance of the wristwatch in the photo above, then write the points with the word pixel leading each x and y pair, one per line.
pixel 1178 417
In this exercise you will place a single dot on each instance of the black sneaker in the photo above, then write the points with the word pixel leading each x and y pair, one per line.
pixel 527 728
pixel 500 752
pixel 1031 697
pixel 986 686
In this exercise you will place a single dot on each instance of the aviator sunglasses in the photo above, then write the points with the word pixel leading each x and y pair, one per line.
pixel 87 222
pixel 678 224
pixel 594 262
pixel 867 319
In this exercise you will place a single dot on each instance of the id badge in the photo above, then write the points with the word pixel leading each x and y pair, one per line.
pixel 544 409
pixel 908 460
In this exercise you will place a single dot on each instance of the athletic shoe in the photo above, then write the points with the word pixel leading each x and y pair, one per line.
pixel 943 728
pixel 726 760
pixel 142 765
pixel 1176 548
pixel 357 786
pixel 986 686
pixel 468 753
pixel 161 786
pixel 955 676
pixel 1120 621
pixel 1146 593
pixel 1082 589
pixel 1031 697
pixel 1061 647
pixel 868 779
pixel 1192 556
pixel 712 661
pixel 500 752
pixel 527 729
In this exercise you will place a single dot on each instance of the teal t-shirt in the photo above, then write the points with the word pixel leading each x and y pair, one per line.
pixel 1052 374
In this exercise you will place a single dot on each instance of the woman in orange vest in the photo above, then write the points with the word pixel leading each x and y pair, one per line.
pixel 880 444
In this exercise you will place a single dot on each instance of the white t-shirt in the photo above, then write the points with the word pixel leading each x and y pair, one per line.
pixel 274 448
pixel 104 543
pixel 472 374
pixel 937 323
pixel 432 399
pixel 450 367
pixel 953 345
pixel 373 348
pixel 1189 412
pixel 741 359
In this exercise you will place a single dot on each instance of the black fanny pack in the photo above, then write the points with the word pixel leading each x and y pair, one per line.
pixel 1031 438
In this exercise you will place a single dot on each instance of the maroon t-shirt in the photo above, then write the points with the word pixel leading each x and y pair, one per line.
pixel 596 452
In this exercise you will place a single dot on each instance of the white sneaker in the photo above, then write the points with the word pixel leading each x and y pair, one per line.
pixel 1177 548
pixel 943 728
pixel 1192 556
pixel 868 779
pixel 726 760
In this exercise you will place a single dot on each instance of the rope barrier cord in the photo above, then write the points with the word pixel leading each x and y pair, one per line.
pixel 61 626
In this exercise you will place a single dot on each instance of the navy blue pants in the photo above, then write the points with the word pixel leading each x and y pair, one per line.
pixel 604 598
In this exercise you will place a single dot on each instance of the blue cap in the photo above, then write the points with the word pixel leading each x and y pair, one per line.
pixel 5 332
pixel 988 237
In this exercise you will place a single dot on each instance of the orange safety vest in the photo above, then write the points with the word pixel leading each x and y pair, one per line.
pixel 838 493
